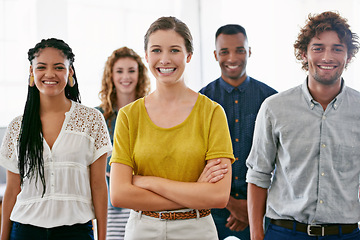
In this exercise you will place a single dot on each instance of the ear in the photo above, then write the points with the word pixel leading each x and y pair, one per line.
pixel 146 57
pixel 71 71
pixel 348 60
pixel 304 57
pixel 249 51
pixel 188 58
pixel 31 70
pixel 215 55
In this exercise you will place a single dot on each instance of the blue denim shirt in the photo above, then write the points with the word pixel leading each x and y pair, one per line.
pixel 241 105
pixel 315 154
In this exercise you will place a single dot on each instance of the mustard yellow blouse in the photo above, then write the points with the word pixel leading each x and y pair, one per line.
pixel 178 153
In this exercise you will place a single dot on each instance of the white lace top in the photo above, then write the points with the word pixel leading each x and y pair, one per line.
pixel 82 140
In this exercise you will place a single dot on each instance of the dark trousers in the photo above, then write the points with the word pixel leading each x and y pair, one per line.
pixel 74 232
pixel 224 232
pixel 279 233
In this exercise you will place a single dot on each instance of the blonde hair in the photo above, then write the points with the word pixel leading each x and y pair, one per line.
pixel 107 94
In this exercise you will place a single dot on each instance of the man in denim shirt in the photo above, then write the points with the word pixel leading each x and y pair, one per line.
pixel 241 97
pixel 304 166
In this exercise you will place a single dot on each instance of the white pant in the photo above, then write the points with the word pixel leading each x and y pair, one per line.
pixel 142 227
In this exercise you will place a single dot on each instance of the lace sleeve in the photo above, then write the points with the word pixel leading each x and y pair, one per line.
pixel 101 136
pixel 92 123
pixel 8 154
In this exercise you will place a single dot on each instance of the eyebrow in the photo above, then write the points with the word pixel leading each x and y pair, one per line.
pixel 56 64
pixel 125 68
pixel 228 48
pixel 159 46
pixel 320 44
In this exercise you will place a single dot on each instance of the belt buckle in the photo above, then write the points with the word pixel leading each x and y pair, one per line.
pixel 310 228
pixel 160 214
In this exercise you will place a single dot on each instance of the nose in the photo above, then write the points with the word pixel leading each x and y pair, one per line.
pixel 232 56
pixel 126 75
pixel 165 59
pixel 327 56
pixel 49 73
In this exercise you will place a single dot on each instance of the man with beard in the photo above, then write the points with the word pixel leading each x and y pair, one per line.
pixel 241 97
pixel 304 166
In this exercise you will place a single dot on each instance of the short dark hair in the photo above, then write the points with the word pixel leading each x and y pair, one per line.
pixel 230 29
pixel 319 23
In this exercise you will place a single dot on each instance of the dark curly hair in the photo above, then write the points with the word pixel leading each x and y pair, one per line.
pixel 319 23
pixel 107 94
pixel 31 163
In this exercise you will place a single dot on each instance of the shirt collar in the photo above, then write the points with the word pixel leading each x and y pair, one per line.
pixel 335 102
pixel 229 88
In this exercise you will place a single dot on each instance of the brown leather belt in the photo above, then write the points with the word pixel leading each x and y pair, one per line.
pixel 316 230
pixel 177 215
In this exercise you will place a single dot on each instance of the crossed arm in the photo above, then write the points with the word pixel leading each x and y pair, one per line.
pixel 149 193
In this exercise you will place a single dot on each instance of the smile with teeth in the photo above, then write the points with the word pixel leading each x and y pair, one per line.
pixel 49 82
pixel 327 67
pixel 166 70
pixel 125 83
pixel 232 67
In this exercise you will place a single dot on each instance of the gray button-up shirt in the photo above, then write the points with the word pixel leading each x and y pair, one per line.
pixel 314 155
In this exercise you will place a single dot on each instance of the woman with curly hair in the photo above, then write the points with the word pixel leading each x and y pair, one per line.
pixel 124 80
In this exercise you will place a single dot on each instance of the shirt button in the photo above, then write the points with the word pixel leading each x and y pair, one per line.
pixel 236 159
pixel 323 145
pixel 322 174
pixel 236 101
pixel 236 178
pixel 321 201
pixel 324 117
pixel 236 139
pixel 236 120
pixel 236 194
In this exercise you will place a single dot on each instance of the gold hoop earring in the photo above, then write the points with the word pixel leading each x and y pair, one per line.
pixel 31 81
pixel 71 81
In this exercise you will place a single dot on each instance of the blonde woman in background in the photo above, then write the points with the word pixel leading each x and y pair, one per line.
pixel 124 80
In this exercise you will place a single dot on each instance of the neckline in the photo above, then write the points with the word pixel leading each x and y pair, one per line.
pixel 58 138
pixel 176 126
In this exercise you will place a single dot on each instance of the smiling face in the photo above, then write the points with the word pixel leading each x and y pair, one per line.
pixel 167 56
pixel 125 75
pixel 327 58
pixel 51 70
pixel 232 52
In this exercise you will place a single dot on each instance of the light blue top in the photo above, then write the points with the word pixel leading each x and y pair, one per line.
pixel 315 155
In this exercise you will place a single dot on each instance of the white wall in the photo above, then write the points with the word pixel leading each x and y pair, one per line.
pixel 272 27
pixel 2 170
pixel 94 28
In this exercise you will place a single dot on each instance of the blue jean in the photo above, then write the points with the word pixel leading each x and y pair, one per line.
pixel 279 233
pixel 21 231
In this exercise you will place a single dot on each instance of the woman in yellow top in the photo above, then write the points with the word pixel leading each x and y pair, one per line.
pixel 177 144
